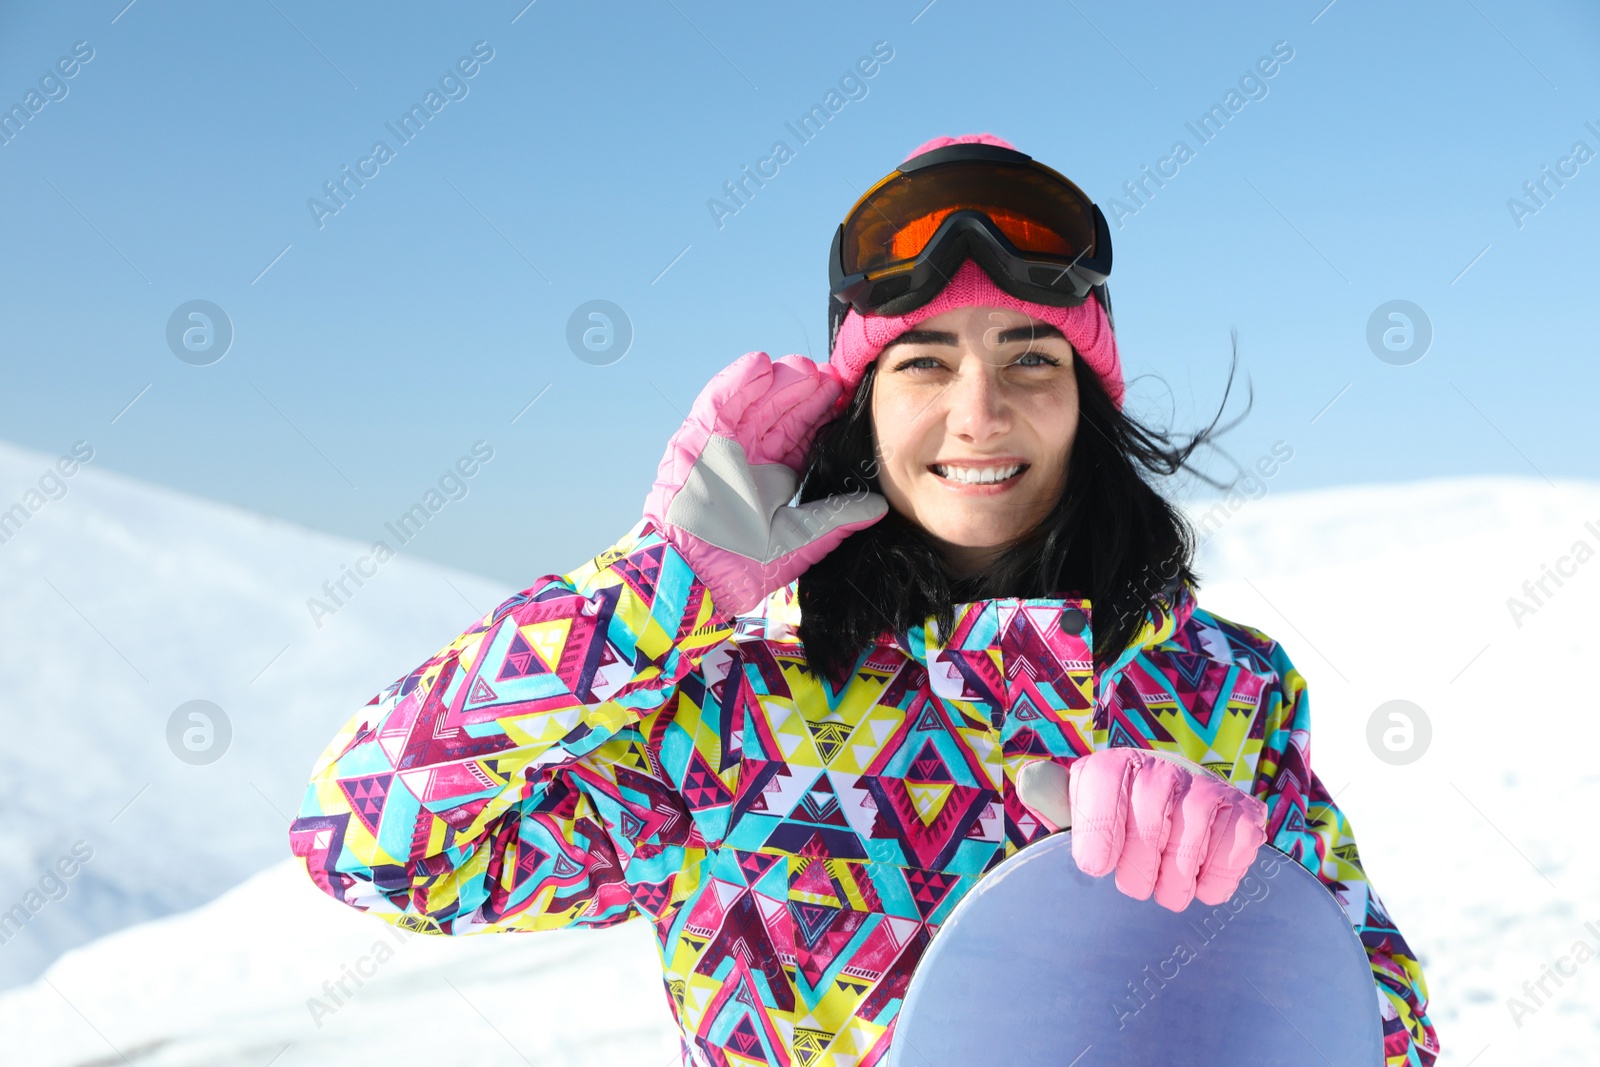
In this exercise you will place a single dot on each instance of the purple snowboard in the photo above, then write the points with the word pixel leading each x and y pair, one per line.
pixel 1042 965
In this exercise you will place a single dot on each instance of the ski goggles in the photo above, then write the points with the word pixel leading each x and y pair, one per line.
pixel 1032 230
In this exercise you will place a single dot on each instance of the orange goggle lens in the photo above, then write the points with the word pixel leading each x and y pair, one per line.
pixel 1040 212
pixel 1028 235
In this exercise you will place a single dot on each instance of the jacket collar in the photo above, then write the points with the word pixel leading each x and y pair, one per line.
pixel 989 618
pixel 1170 612
pixel 780 616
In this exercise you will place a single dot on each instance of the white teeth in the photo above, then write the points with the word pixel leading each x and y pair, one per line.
pixel 983 476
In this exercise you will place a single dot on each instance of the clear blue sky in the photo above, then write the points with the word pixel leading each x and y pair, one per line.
pixel 372 350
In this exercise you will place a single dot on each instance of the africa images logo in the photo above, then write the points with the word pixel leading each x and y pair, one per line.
pixel 852 86
pixel 452 88
pixel 1205 129
pixel 1141 992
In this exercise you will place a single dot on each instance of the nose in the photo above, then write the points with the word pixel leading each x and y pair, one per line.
pixel 977 406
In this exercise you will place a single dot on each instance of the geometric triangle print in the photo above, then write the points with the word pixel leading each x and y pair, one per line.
pixel 641 572
pixel 1122 737
pixel 629 824
pixel 651 896
pixel 928 799
pixel 929 766
pixel 366 795
pixel 814 880
pixel 1026 742
pixel 809 1045
pixel 929 888
pixel 825 935
pixel 549 638
pixel 856 986
pixel 733 1059
pixel 829 737
pixel 1131 723
pixel 1023 710
pixel 755 865
pixel 480 692
pixel 529 860
pixel 1190 669
pixel 932 843
pixel 701 786
pixel 1197 681
pixel 1200 708
pixel 812 920
pixel 521 660
pixel 744 1039
pixel 820 805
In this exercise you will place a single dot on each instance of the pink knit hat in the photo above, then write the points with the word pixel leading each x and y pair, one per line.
pixel 862 337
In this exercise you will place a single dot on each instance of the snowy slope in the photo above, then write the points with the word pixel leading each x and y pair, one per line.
pixel 122 601
pixel 1379 593
pixel 1482 847
pixel 250 979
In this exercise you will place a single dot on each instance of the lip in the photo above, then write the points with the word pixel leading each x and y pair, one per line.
pixel 987 461
pixel 991 489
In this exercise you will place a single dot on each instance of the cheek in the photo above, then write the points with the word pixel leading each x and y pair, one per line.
pixel 897 439
pixel 894 427
pixel 1066 432
pixel 1055 425
pixel 1064 413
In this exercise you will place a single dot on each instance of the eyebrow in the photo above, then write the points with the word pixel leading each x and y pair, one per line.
pixel 1031 332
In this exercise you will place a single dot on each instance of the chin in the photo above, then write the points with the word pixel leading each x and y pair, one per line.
pixel 970 535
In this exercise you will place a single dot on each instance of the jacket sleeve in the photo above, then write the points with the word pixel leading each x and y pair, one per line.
pixel 1304 823
pixel 508 782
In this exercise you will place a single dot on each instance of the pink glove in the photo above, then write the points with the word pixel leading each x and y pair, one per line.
pixel 1162 823
pixel 722 491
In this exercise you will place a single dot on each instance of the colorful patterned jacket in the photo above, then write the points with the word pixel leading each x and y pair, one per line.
pixel 606 745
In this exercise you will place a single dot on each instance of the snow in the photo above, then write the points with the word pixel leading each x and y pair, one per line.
pixel 252 978
pixel 1400 592
pixel 1378 592
pixel 123 601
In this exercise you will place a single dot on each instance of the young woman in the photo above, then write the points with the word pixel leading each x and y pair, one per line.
pixel 791 734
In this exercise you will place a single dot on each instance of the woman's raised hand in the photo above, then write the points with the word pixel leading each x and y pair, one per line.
pixel 722 491
pixel 1162 826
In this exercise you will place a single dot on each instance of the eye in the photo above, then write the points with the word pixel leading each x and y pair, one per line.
pixel 910 364
pixel 1049 361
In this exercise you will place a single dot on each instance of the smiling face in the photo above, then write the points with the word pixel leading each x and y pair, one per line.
pixel 969 394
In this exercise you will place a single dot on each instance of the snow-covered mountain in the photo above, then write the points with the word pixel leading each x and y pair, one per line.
pixel 1466 597
pixel 123 601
